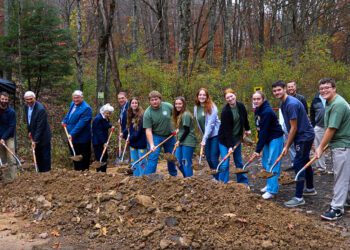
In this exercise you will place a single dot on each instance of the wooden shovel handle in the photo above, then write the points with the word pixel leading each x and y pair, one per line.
pixel 107 143
pixel 12 153
pixel 69 140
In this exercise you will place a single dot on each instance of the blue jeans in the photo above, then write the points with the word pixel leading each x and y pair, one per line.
pixel 271 152
pixel 136 154
pixel 301 158
pixel 224 174
pixel 212 152
pixel 184 156
pixel 153 157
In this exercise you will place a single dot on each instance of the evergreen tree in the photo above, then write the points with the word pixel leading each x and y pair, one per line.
pixel 40 50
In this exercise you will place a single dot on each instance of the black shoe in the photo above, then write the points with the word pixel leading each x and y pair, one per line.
pixel 332 214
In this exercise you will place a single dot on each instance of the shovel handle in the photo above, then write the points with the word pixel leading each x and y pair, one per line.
pixel 13 154
pixel 34 156
pixel 107 143
pixel 251 159
pixel 69 140
pixel 149 152
pixel 313 159
pixel 276 162
pixel 227 155
pixel 125 146
pixel 119 139
pixel 174 149
pixel 200 154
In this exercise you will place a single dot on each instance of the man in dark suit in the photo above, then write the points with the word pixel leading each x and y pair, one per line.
pixel 78 121
pixel 39 131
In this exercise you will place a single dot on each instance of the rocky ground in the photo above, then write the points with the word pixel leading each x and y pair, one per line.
pixel 73 210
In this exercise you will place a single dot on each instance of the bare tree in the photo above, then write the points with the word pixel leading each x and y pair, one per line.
pixel 184 9
pixel 79 56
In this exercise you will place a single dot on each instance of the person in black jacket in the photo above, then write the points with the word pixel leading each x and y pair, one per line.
pixel 234 124
pixel 270 141
pixel 39 131
pixel 317 111
pixel 100 127
pixel 137 136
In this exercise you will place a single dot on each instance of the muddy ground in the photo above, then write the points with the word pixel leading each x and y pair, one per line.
pixel 72 210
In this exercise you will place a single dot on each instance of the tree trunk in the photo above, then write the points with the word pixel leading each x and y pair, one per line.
pixel 261 27
pixel 211 32
pixel 226 42
pixel 134 27
pixel 8 70
pixel 79 59
pixel 184 9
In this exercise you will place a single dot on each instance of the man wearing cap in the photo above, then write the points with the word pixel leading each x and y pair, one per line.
pixel 7 133
pixel 78 122
pixel 39 131
pixel 157 122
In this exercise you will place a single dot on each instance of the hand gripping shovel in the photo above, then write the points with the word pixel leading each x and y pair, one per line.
pixel 230 151
pixel 97 164
pixel 287 180
pixel 199 165
pixel 244 170
pixel 264 174
pixel 132 167
pixel 14 156
pixel 34 156
pixel 74 157
pixel 125 146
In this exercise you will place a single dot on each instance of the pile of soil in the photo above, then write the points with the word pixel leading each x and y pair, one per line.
pixel 96 210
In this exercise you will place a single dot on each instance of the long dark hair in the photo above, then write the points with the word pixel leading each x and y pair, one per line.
pixel 177 115
pixel 134 118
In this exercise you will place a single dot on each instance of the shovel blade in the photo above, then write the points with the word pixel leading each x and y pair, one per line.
pixel 264 174
pixel 96 164
pixel 239 171
pixel 76 158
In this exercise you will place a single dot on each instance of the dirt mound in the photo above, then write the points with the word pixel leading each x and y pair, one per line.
pixel 107 210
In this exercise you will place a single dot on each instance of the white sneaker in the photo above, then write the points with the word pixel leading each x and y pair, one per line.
pixel 267 196
pixel 263 190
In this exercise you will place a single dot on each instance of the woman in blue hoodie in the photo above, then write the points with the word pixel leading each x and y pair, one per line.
pixel 137 136
pixel 270 141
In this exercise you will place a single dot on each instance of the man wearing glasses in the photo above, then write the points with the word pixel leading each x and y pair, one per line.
pixel 337 136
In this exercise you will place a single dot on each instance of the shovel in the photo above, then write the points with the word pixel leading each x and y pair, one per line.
pixel 287 180
pixel 125 146
pixel 34 156
pixel 97 164
pixel 199 165
pixel 132 167
pixel 230 151
pixel 74 157
pixel 171 157
pixel 264 174
pixel 244 170
pixel 118 159
pixel 14 156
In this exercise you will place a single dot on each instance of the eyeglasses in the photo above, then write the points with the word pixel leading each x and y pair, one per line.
pixel 325 88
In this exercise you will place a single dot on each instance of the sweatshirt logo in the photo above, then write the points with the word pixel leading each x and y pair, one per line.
pixel 165 113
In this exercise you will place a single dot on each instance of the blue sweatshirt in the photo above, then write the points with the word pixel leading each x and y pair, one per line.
pixel 267 125
pixel 7 123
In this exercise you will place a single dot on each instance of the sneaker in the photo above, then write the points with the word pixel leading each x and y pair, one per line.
pixel 267 196
pixel 263 190
pixel 294 202
pixel 332 214
pixel 309 192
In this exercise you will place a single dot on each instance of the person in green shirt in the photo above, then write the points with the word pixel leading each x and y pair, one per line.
pixel 158 125
pixel 337 136
pixel 186 142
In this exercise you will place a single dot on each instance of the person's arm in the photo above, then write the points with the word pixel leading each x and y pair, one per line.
pixel 210 125
pixel 245 121
pixel 328 135
pixel 40 129
pixel 149 136
pixel 185 134
pixel 291 135
pixel 65 119
pixel 11 127
pixel 84 120
pixel 265 123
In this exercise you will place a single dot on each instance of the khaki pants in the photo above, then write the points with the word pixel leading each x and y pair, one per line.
pixel 341 166
pixel 319 133
pixel 8 170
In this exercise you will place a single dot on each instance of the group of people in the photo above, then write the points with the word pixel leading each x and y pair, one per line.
pixel 172 126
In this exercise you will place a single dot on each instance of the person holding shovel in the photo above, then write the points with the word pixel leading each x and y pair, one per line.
pixel 337 136
pixel 206 114
pixel 100 127
pixel 301 133
pixel 187 141
pixel 234 125
pixel 78 124
pixel 39 131
pixel 137 136
pixel 7 137
pixel 158 125
pixel 270 141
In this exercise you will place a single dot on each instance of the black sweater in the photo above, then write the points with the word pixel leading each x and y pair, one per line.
pixel 226 126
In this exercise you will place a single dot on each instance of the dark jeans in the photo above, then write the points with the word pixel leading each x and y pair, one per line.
pixel 98 148
pixel 43 157
pixel 302 156
pixel 83 149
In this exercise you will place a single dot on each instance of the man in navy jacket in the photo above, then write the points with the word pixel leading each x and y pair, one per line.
pixel 78 121
pixel 7 133
pixel 39 131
